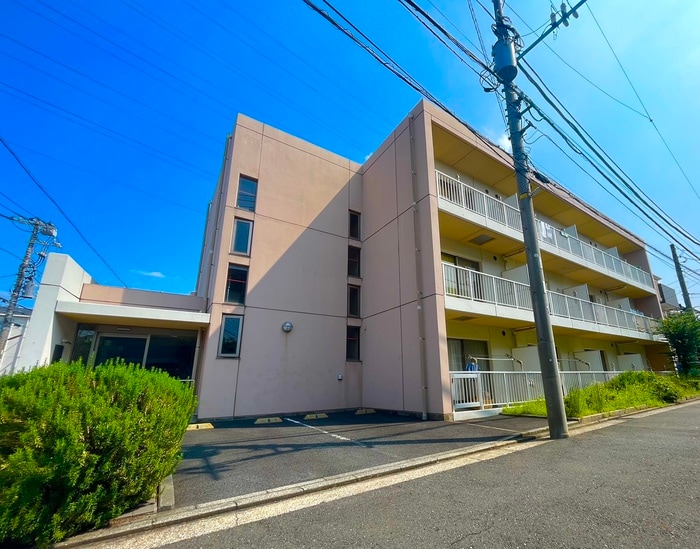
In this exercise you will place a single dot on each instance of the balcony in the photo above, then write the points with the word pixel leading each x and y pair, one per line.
pixel 555 239
pixel 479 287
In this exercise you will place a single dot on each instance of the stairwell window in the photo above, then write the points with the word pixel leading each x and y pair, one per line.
pixel 230 342
pixel 353 301
pixel 354 225
pixel 354 261
pixel 242 233
pixel 352 348
pixel 247 193
pixel 236 283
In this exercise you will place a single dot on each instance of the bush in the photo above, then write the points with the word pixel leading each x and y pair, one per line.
pixel 81 445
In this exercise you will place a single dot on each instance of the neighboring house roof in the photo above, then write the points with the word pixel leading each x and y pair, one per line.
pixel 19 311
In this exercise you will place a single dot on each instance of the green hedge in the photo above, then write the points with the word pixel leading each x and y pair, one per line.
pixel 81 445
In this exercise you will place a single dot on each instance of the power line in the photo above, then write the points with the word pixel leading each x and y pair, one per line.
pixel 102 177
pixel 190 129
pixel 260 31
pixel 602 155
pixel 248 77
pixel 104 130
pixel 11 253
pixel 583 76
pixel 15 203
pixel 642 104
pixel 58 207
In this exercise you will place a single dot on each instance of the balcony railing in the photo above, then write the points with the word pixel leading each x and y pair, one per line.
pixel 478 390
pixel 469 198
pixel 476 286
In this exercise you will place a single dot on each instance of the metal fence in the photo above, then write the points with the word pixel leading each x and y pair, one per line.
pixel 476 286
pixel 469 198
pixel 479 390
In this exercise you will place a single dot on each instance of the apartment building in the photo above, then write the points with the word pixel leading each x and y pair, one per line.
pixel 324 284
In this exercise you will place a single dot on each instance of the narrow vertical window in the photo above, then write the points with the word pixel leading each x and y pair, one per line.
pixel 353 261
pixel 354 301
pixel 352 349
pixel 230 342
pixel 247 192
pixel 242 233
pixel 354 225
pixel 236 284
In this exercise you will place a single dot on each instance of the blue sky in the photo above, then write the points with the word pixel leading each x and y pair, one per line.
pixel 120 109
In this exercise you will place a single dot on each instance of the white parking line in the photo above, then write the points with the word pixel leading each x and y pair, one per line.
pixel 325 432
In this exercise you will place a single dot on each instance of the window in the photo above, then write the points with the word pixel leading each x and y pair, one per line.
pixel 354 227
pixel 247 191
pixel 353 301
pixel 230 344
pixel 242 233
pixel 352 349
pixel 353 261
pixel 236 284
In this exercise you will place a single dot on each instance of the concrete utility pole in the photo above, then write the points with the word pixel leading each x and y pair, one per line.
pixel 25 275
pixel 506 69
pixel 681 280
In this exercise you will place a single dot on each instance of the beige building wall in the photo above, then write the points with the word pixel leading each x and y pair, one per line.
pixel 400 299
pixel 297 272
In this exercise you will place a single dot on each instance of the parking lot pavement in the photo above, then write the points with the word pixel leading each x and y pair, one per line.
pixel 239 457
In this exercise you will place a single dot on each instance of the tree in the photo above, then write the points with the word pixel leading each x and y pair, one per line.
pixel 682 330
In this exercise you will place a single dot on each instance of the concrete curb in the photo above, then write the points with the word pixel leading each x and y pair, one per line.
pixel 169 517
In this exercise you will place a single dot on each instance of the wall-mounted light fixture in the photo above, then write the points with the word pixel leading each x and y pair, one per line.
pixel 287 327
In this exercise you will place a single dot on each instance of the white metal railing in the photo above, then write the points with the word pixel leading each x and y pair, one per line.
pixel 468 197
pixel 471 390
pixel 476 286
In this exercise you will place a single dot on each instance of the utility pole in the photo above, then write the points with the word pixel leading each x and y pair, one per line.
pixel 24 282
pixel 506 68
pixel 681 280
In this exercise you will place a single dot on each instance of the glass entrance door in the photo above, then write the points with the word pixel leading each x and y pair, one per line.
pixel 128 348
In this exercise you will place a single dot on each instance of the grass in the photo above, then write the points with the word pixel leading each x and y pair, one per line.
pixel 628 390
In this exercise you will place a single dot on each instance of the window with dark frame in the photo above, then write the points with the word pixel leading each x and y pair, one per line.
pixel 354 225
pixel 242 233
pixel 247 193
pixel 352 348
pixel 353 301
pixel 230 343
pixel 354 261
pixel 236 284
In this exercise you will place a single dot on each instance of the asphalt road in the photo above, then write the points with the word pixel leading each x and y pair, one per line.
pixel 238 457
pixel 632 484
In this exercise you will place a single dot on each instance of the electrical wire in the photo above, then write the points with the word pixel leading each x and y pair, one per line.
pixel 105 131
pixel 190 129
pixel 58 207
pixel 249 78
pixel 102 178
pixel 15 203
pixel 663 140
pixel 574 69
pixel 377 113
pixel 10 253
pixel 599 152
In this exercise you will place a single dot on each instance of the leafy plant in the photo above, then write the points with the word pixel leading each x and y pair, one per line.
pixel 81 445
pixel 683 333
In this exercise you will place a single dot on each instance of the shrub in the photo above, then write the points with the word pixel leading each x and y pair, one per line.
pixel 81 445
pixel 575 403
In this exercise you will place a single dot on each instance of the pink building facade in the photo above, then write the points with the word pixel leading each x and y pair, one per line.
pixel 327 285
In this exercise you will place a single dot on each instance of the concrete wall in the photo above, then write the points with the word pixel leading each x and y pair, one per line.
pixel 392 362
pixel 95 293
pixel 297 273
pixel 62 280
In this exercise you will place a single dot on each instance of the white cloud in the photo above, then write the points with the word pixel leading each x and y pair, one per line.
pixel 504 142
pixel 152 274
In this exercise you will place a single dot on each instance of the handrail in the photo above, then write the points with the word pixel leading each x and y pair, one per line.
pixel 469 198
pixel 476 286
